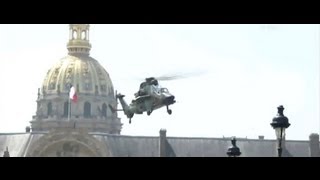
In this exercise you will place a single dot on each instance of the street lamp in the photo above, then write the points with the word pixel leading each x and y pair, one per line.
pixel 279 124
pixel 233 151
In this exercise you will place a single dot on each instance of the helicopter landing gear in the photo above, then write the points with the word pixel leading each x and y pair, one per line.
pixel 149 111
pixel 130 116
pixel 169 110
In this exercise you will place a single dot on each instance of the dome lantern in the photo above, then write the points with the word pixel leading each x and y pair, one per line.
pixel 79 39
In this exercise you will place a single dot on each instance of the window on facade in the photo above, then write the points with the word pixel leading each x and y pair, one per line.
pixel 87 86
pixel 104 110
pixel 83 35
pixel 103 88
pixel 65 109
pixel 87 110
pixel 49 108
pixel 52 86
pixel 75 34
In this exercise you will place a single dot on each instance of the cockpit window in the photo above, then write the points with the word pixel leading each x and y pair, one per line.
pixel 164 90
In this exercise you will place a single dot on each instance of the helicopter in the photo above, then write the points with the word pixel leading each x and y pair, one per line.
pixel 151 96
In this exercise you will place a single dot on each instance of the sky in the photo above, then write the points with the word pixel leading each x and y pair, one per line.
pixel 237 75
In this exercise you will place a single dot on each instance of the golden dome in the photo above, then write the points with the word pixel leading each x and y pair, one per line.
pixel 83 72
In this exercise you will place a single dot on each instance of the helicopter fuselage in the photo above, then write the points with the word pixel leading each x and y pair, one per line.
pixel 151 102
pixel 149 98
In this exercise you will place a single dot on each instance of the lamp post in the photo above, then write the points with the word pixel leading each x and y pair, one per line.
pixel 233 151
pixel 279 124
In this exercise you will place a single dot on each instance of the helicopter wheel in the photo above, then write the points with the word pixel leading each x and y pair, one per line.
pixel 148 113
pixel 130 121
pixel 169 111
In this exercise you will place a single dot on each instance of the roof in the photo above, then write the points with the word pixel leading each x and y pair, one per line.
pixel 148 146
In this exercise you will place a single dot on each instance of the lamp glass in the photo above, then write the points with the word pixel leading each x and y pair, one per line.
pixel 278 132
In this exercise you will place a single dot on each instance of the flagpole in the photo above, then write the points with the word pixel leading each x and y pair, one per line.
pixel 69 111
pixel 73 96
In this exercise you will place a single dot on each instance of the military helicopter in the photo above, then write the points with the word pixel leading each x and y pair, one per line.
pixel 151 96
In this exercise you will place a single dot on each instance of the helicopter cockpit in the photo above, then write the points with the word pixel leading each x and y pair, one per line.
pixel 149 81
pixel 164 90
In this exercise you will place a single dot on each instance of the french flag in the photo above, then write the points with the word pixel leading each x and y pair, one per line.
pixel 73 95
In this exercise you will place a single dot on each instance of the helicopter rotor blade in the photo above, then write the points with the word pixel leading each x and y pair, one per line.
pixel 176 76
pixel 173 76
pixel 168 78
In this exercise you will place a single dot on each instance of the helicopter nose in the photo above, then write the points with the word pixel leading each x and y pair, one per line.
pixel 170 100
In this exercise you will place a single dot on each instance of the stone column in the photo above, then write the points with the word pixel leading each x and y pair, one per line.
pixel 314 145
pixel 163 139
pixel 28 129
pixel 6 153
